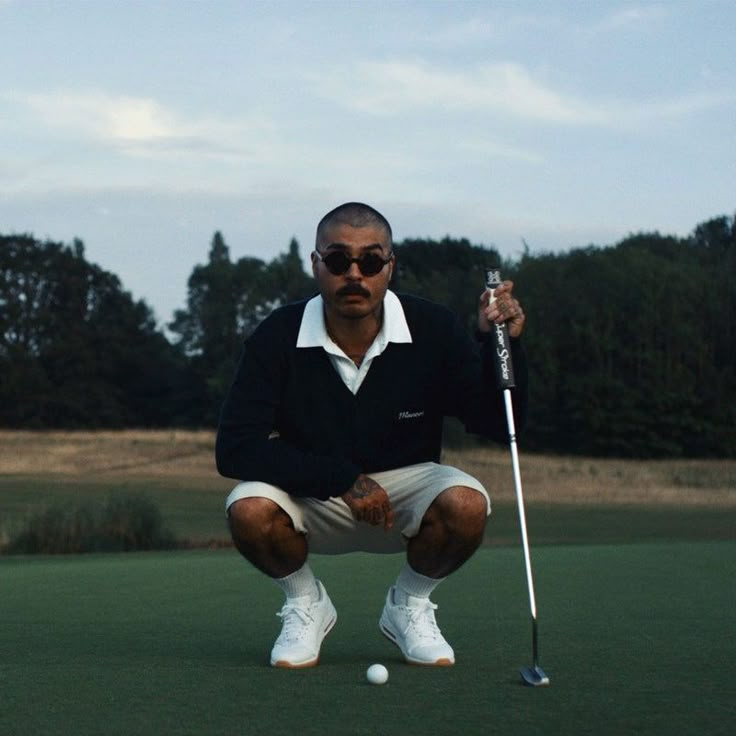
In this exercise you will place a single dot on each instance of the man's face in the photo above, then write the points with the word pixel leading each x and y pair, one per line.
pixel 352 295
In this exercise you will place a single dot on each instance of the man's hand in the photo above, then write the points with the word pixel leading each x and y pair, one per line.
pixel 502 308
pixel 369 502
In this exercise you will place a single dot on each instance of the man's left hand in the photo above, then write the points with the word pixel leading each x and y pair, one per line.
pixel 369 502
pixel 503 307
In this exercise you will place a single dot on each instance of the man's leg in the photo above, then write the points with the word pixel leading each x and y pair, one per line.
pixel 265 535
pixel 451 531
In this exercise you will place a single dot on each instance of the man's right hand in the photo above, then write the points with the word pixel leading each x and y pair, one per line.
pixel 369 502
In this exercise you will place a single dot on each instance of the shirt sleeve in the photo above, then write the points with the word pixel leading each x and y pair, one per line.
pixel 246 448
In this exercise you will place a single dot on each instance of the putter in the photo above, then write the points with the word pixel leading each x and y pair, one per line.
pixel 533 676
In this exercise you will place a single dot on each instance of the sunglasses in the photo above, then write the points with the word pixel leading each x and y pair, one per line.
pixel 337 262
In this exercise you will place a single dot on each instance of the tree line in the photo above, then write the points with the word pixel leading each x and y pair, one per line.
pixel 632 347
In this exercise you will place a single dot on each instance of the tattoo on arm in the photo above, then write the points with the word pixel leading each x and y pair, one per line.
pixel 362 487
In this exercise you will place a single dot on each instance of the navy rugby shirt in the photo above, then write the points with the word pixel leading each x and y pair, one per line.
pixel 290 420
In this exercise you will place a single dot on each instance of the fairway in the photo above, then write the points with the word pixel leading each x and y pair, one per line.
pixel 637 639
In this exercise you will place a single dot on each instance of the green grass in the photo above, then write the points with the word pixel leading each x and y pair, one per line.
pixel 637 639
pixel 194 510
pixel 636 617
pixel 567 524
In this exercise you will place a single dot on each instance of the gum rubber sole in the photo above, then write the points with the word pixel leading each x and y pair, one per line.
pixel 285 664
pixel 442 662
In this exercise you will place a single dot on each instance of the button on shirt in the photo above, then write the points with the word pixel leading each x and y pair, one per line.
pixel 313 333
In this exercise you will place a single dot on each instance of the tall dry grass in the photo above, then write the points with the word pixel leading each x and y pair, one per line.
pixel 546 479
pixel 594 481
pixel 108 453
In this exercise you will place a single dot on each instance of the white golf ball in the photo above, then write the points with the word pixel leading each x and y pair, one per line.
pixel 377 674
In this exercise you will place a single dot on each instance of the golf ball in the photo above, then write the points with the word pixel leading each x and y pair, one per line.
pixel 377 674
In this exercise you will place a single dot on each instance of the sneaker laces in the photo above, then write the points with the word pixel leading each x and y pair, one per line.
pixel 296 619
pixel 422 621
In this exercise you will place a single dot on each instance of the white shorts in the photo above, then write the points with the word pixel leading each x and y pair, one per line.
pixel 330 527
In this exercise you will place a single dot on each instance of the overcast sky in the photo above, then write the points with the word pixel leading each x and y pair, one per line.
pixel 144 127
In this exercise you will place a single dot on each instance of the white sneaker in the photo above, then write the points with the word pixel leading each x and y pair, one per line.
pixel 412 627
pixel 306 622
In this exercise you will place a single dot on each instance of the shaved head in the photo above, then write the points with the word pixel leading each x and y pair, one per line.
pixel 354 214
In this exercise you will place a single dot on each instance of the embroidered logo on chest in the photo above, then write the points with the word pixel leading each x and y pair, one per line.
pixel 410 414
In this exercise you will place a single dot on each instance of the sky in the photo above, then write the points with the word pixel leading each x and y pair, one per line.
pixel 142 128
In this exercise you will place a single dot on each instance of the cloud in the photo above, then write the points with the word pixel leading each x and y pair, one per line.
pixel 397 87
pixel 498 90
pixel 495 149
pixel 630 17
pixel 105 117
pixel 684 106
pixel 142 126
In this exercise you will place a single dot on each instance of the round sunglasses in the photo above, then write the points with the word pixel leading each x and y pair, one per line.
pixel 338 262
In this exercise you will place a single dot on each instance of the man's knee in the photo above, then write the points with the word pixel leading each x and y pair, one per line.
pixel 256 518
pixel 265 535
pixel 461 509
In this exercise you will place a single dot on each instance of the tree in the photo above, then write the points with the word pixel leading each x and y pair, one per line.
pixel 286 274
pixel 714 245
pixel 75 349
pixel 449 271
pixel 631 347
pixel 620 355
pixel 225 302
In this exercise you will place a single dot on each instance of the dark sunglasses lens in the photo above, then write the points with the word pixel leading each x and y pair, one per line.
pixel 370 264
pixel 338 263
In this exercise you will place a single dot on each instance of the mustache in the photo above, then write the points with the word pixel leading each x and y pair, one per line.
pixel 353 290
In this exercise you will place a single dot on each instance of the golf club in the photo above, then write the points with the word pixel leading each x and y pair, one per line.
pixel 533 676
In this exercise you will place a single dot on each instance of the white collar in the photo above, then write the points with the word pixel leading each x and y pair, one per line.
pixel 313 333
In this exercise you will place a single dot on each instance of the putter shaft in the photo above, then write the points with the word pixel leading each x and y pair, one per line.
pixel 533 676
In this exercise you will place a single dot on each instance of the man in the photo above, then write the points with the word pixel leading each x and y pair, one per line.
pixel 333 424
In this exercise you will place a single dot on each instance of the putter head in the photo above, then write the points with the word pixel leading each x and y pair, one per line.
pixel 534 676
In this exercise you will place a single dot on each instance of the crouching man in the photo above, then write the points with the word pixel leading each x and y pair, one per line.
pixel 333 426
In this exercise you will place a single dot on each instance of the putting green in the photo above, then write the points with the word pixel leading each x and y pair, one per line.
pixel 637 639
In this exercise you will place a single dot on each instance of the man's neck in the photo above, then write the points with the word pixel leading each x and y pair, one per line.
pixel 354 336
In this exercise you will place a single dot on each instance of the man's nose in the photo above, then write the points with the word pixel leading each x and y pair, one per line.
pixel 353 272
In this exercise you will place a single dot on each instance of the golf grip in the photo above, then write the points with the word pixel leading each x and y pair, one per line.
pixel 502 351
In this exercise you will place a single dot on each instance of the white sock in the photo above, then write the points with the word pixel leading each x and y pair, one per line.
pixel 299 584
pixel 414 584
